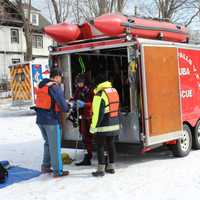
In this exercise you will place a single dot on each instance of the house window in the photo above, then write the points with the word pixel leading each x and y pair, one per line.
pixel 14 35
pixel 15 60
pixel 34 19
pixel 37 41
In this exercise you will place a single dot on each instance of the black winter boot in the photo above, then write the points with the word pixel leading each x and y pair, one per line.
pixel 45 169
pixel 100 171
pixel 85 162
pixel 110 168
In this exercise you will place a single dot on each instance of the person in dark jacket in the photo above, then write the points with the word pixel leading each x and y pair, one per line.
pixel 83 95
pixel 105 124
pixel 50 102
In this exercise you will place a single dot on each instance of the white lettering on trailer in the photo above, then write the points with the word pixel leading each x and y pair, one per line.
pixel 185 57
pixel 194 68
pixel 197 76
pixel 186 93
pixel 184 71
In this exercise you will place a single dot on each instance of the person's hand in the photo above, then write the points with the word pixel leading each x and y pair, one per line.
pixel 71 98
pixel 49 84
pixel 80 103
pixel 70 104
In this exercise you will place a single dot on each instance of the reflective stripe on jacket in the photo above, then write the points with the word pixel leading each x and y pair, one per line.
pixel 105 109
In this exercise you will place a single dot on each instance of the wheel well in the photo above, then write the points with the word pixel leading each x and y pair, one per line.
pixel 197 122
pixel 190 126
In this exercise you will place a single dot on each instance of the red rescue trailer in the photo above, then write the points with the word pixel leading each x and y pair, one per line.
pixel 158 82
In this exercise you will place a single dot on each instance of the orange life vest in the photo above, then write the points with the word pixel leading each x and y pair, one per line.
pixel 45 101
pixel 113 99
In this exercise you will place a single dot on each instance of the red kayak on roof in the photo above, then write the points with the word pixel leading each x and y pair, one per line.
pixel 62 32
pixel 115 24
pixel 110 24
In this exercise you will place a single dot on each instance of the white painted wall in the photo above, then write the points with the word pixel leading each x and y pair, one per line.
pixel 43 51
pixel 5 61
pixel 5 39
pixel 7 46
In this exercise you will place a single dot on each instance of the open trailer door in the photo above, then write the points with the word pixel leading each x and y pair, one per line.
pixel 161 94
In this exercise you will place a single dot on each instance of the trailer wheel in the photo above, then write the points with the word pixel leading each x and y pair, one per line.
pixel 184 144
pixel 196 137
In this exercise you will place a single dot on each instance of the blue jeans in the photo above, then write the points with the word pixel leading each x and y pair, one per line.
pixel 52 147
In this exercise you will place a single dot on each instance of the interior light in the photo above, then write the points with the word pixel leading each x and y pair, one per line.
pixel 129 37
pixel 50 48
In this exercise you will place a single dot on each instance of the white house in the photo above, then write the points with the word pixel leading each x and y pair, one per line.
pixel 12 39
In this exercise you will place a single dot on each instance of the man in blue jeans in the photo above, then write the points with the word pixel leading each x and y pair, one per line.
pixel 50 102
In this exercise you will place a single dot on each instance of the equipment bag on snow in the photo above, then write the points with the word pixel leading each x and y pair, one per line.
pixel 3 173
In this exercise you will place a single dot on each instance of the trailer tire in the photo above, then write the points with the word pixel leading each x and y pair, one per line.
pixel 196 136
pixel 183 146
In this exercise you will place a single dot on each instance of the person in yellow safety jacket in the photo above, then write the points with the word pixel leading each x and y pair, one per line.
pixel 105 124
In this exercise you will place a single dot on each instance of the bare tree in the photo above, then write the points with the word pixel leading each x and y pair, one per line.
pixel 179 11
pixel 57 13
pixel 167 8
pixel 49 8
pixel 79 10
pixel 60 9
pixel 76 12
pixel 117 5
pixel 103 6
pixel 87 9
pixel 184 11
pixel 24 9
pixel 193 9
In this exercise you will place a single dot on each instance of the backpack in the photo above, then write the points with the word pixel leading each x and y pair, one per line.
pixel 3 174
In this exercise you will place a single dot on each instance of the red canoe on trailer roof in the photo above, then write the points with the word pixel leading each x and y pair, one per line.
pixel 115 24
pixel 62 32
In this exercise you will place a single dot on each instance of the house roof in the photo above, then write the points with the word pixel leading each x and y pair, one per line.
pixel 26 6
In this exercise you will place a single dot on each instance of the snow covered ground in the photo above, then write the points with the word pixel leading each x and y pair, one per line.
pixel 154 176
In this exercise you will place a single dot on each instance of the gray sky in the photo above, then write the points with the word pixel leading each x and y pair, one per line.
pixel 42 6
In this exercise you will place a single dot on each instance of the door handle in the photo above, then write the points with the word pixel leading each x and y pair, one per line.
pixel 148 118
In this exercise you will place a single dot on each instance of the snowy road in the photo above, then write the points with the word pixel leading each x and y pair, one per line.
pixel 154 176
